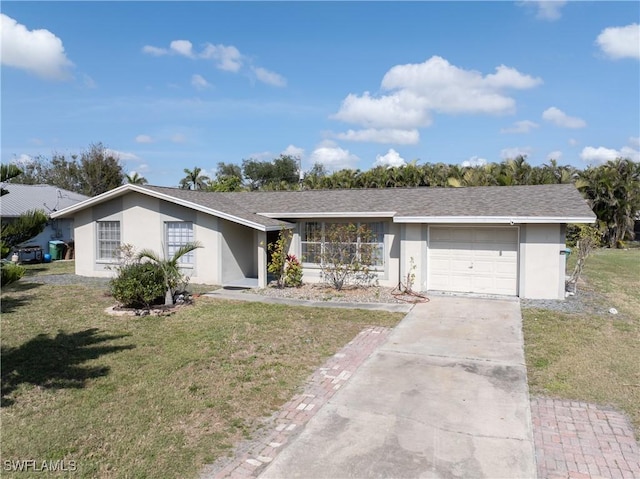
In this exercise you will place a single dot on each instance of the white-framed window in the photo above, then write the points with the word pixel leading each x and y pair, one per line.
pixel 179 233
pixel 312 241
pixel 108 234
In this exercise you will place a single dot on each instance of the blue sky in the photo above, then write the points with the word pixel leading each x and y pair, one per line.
pixel 173 85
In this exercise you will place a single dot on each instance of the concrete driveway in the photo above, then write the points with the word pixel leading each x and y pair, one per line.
pixel 445 397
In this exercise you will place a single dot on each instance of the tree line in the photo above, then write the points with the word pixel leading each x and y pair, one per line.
pixel 612 189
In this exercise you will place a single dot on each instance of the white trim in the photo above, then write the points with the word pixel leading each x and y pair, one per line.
pixel 172 199
pixel 332 214
pixel 510 220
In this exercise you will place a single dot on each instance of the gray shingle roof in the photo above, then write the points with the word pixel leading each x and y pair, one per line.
pixel 539 201
pixel 22 198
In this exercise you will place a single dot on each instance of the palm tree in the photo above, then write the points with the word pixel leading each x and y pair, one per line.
pixel 194 180
pixel 135 179
pixel 169 266
pixel 613 191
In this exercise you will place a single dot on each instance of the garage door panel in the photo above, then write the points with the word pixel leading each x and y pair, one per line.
pixel 474 259
pixel 460 266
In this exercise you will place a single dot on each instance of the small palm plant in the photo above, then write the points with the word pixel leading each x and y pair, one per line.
pixel 170 267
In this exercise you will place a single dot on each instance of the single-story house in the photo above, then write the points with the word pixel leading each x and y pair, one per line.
pixel 23 198
pixel 507 240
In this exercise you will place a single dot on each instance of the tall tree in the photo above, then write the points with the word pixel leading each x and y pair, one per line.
pixel 228 178
pixel 135 179
pixel 281 173
pixel 613 191
pixel 194 180
pixel 100 170
pixel 92 172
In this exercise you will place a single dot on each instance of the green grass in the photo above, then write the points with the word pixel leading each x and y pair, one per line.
pixel 151 396
pixel 55 267
pixel 592 356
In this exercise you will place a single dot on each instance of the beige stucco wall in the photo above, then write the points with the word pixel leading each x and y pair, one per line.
pixel 542 266
pixel 413 254
pixel 239 252
pixel 142 221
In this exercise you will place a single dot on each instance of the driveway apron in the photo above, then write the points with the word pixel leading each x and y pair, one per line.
pixel 445 397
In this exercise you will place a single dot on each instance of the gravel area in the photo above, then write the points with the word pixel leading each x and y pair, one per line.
pixel 65 279
pixel 584 301
pixel 321 292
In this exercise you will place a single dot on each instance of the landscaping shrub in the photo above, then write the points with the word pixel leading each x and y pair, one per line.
pixel 293 272
pixel 286 267
pixel 347 255
pixel 139 285
pixel 11 273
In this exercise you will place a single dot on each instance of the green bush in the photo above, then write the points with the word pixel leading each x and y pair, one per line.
pixel 293 272
pixel 138 285
pixel 11 273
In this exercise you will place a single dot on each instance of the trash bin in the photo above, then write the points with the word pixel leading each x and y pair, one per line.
pixel 56 249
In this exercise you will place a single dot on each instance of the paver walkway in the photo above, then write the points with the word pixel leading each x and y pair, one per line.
pixel 577 440
pixel 290 420
pixel 573 440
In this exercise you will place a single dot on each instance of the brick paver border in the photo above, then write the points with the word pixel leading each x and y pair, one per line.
pixel 290 420
pixel 573 440
pixel 577 440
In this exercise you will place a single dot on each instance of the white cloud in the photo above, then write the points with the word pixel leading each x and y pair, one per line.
pixel 513 152
pixel 176 47
pixel 474 161
pixel 384 135
pixel 524 126
pixel 333 157
pixel 294 151
pixel 23 160
pixel 417 91
pixel 573 142
pixel 598 155
pixel 554 155
pixel 631 153
pixel 620 42
pixel 144 139
pixel 36 51
pixel 178 138
pixel 155 51
pixel 391 158
pixel 227 58
pixel 546 9
pixel 182 47
pixel 269 77
pixel 560 118
pixel 634 141
pixel 199 82
pixel 122 155
pixel 601 154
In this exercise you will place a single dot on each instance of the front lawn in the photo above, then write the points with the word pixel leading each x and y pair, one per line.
pixel 593 355
pixel 151 396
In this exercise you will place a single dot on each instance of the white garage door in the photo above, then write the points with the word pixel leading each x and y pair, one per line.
pixel 473 260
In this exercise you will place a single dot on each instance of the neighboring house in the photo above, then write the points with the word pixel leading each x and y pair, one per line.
pixel 507 240
pixel 23 198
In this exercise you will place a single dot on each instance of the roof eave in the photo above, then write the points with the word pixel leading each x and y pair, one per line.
pixel 495 219
pixel 121 190
pixel 331 214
